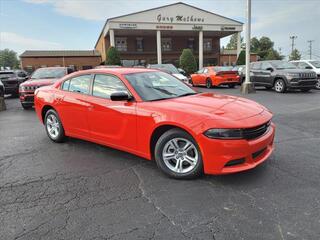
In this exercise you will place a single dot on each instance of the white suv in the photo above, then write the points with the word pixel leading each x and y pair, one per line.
pixel 310 64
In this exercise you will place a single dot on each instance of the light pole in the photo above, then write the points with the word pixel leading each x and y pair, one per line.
pixel 247 86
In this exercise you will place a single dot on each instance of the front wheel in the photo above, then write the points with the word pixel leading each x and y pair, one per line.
pixel 318 84
pixel 54 126
pixel 208 83
pixel 178 155
pixel 280 86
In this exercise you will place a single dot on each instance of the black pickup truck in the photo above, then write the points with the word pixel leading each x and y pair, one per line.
pixel 11 80
pixel 281 76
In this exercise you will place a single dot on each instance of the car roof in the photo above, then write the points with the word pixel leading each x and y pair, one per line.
pixel 117 70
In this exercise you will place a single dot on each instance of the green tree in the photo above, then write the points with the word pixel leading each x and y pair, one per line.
pixel 273 55
pixel 264 47
pixel 295 55
pixel 187 61
pixel 113 56
pixel 8 58
pixel 233 42
pixel 242 58
pixel 254 44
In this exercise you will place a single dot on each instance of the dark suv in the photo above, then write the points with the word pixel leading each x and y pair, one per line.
pixel 281 76
pixel 11 80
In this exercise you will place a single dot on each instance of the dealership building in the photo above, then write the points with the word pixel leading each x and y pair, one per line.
pixel 156 35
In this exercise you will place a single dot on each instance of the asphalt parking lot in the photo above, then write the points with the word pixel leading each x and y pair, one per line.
pixel 80 190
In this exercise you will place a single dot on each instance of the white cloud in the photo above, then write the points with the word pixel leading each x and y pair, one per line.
pixel 21 43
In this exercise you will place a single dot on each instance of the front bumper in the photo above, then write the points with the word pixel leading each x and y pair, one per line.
pixel 27 98
pixel 303 83
pixel 230 156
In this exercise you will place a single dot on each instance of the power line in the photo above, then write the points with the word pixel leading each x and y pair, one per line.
pixel 310 48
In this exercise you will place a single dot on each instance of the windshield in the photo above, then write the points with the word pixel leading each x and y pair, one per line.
pixel 222 69
pixel 43 73
pixel 316 64
pixel 7 74
pixel 168 67
pixel 283 65
pixel 153 86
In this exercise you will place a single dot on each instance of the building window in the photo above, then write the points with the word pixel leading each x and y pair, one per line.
pixel 139 44
pixel 190 43
pixel 207 44
pixel 121 44
pixel 166 44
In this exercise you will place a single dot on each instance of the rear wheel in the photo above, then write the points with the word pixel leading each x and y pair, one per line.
pixel 280 85
pixel 54 126
pixel 209 83
pixel 177 154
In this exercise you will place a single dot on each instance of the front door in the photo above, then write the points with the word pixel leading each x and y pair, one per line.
pixel 111 122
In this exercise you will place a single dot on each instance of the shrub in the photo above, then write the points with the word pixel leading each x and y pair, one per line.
pixel 113 56
pixel 187 61
pixel 242 58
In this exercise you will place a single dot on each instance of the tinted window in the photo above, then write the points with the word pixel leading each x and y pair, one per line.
pixel 105 85
pixel 80 84
pixel 265 65
pixel 65 85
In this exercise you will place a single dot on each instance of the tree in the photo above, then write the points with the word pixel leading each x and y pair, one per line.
pixel 233 42
pixel 295 55
pixel 254 44
pixel 187 61
pixel 264 47
pixel 273 55
pixel 113 56
pixel 242 58
pixel 8 58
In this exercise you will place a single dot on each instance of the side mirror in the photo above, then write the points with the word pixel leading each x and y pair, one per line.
pixel 120 96
pixel 270 69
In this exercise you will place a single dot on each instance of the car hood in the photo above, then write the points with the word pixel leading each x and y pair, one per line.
pixel 179 76
pixel 214 105
pixel 295 70
pixel 39 82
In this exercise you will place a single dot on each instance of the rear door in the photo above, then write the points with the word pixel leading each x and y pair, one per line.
pixel 111 122
pixel 255 72
pixel 72 105
pixel 265 74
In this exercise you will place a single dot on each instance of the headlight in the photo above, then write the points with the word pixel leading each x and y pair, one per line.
pixel 224 133
pixel 292 75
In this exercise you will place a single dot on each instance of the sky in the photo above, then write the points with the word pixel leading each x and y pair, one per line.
pixel 76 24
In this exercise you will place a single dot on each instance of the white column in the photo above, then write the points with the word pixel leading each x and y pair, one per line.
pixel 159 55
pixel 111 34
pixel 200 49
pixel 248 33
pixel 238 44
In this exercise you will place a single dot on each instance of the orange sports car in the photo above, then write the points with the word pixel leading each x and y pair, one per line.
pixel 154 115
pixel 215 76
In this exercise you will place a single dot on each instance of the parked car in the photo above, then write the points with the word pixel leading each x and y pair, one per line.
pixel 11 80
pixel 40 77
pixel 215 76
pixel 154 115
pixel 241 72
pixel 171 69
pixel 282 76
pixel 312 65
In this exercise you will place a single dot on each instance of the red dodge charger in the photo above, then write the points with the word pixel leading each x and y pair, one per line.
pixel 154 115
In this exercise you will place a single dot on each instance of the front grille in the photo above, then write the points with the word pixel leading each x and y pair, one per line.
pixel 252 133
pixel 307 75
pixel 29 99
pixel 9 83
pixel 31 88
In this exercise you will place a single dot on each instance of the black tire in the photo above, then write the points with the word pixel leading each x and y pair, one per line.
pixel 60 137
pixel 168 136
pixel 277 85
pixel 209 83
pixel 231 85
pixel 305 89
pixel 26 107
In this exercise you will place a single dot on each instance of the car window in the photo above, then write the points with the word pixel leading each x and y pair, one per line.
pixel 65 85
pixel 303 65
pixel 265 65
pixel 21 74
pixel 80 84
pixel 255 66
pixel 205 70
pixel 105 85
pixel 201 70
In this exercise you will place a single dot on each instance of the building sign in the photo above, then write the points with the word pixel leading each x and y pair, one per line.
pixel 197 28
pixel 128 25
pixel 180 18
pixel 228 28
pixel 164 27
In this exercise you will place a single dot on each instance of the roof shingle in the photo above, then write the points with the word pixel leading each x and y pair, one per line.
pixel 61 53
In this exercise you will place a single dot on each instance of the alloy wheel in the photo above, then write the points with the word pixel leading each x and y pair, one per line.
pixel 279 86
pixel 180 155
pixel 318 84
pixel 53 126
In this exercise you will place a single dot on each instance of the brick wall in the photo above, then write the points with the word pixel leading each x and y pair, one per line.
pixel 231 59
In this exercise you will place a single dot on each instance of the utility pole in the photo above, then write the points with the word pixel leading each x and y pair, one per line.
pixel 310 48
pixel 247 86
pixel 292 42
